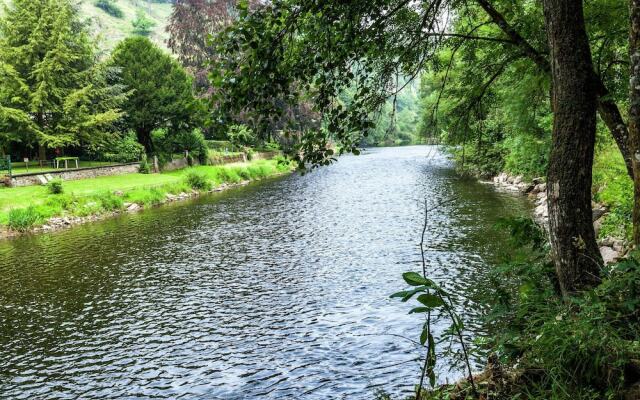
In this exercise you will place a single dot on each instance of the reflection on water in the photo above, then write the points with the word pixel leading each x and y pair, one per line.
pixel 276 290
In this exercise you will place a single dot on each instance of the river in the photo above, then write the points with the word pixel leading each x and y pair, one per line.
pixel 275 290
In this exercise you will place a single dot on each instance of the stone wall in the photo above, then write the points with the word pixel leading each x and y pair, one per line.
pixel 265 155
pixel 73 174
pixel 227 159
pixel 173 165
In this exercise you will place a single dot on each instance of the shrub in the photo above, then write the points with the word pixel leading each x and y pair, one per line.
pixel 22 219
pixel 61 202
pixel 240 135
pixel 55 186
pixel 526 155
pixel 283 164
pixel 197 181
pixel 485 161
pixel 145 168
pixel 577 349
pixel 260 171
pixel 614 189
pixel 272 146
pixel 250 153
pixel 125 149
pixel 110 201
pixel 110 8
pixel 244 174
pixel 229 175
pixel 194 142
pixel 142 25
pixel 147 197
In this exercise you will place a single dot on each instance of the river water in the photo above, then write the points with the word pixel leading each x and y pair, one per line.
pixel 275 290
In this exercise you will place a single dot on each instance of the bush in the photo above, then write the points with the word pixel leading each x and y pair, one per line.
pixel 125 149
pixel 244 174
pixel 110 8
pixel 142 25
pixel 110 201
pixel 145 168
pixel 486 161
pixel 577 349
pixel 22 219
pixel 527 156
pixel 194 142
pixel 240 135
pixel 197 181
pixel 55 186
pixel 146 197
pixel 614 189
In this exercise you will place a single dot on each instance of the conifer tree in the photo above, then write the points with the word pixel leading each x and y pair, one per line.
pixel 162 91
pixel 52 94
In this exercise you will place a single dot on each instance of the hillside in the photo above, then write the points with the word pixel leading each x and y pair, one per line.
pixel 110 30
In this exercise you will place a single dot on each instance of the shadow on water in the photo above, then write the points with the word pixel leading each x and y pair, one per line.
pixel 275 290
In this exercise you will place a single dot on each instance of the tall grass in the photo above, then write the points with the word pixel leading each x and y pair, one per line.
pixel 22 219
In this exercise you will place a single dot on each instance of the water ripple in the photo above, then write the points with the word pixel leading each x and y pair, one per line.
pixel 275 290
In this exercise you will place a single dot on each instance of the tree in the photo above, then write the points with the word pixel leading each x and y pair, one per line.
pixel 574 103
pixel 51 86
pixel 634 110
pixel 142 25
pixel 192 26
pixel 162 96
pixel 367 44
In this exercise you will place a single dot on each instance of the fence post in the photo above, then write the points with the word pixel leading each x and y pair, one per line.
pixel 156 168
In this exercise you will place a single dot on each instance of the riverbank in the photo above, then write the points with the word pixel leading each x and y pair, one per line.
pixel 612 247
pixel 35 209
pixel 532 356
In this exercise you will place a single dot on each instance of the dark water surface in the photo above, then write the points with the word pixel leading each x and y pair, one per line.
pixel 275 290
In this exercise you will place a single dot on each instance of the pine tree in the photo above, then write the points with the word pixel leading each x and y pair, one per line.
pixel 51 86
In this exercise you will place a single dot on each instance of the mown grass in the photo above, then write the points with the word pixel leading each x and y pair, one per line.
pixel 26 207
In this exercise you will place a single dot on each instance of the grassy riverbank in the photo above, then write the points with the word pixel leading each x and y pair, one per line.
pixel 24 208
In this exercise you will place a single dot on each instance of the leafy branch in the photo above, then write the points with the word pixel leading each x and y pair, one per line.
pixel 432 297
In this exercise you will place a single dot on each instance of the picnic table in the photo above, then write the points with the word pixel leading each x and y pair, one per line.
pixel 66 161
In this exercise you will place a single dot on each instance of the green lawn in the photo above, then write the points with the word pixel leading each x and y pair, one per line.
pixel 24 207
pixel 33 195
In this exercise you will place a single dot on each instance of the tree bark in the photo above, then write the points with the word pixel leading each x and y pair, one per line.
pixel 144 138
pixel 607 108
pixel 573 244
pixel 634 110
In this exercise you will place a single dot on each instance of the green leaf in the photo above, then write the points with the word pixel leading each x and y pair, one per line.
pixel 407 294
pixel 415 279
pixel 430 300
pixel 431 362
pixel 423 335
pixel 420 310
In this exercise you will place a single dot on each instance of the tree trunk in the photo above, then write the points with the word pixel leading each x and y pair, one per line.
pixel 144 138
pixel 42 152
pixel 634 111
pixel 607 108
pixel 573 244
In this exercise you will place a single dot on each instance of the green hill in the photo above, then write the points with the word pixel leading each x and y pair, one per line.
pixel 109 30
